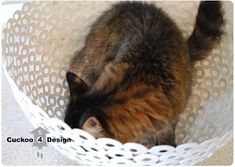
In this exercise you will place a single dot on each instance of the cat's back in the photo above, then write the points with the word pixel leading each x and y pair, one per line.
pixel 130 19
pixel 135 32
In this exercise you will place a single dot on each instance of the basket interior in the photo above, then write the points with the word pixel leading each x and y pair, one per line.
pixel 39 41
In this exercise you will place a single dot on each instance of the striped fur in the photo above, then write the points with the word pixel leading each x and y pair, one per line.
pixel 135 72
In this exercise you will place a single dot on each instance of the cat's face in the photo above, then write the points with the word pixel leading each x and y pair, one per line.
pixel 123 120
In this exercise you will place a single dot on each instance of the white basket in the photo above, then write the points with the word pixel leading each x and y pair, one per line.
pixel 38 43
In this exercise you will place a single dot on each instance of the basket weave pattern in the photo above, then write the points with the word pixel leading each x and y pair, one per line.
pixel 38 43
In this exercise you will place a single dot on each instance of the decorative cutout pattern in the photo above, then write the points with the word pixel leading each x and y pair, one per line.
pixel 38 42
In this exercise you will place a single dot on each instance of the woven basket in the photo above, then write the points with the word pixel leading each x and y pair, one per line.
pixel 38 42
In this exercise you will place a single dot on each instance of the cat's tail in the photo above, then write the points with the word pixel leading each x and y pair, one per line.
pixel 208 29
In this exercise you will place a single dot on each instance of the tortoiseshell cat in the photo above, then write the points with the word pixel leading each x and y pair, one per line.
pixel 136 72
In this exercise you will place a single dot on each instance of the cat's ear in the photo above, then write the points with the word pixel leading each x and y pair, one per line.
pixel 76 85
pixel 110 78
pixel 93 126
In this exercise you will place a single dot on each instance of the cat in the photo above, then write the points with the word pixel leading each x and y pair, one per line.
pixel 135 72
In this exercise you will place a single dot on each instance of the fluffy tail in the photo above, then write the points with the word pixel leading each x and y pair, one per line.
pixel 208 30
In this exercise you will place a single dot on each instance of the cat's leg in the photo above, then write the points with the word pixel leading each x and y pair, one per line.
pixel 163 137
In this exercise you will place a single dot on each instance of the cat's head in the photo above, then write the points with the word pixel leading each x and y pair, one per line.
pixel 81 111
pixel 107 115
